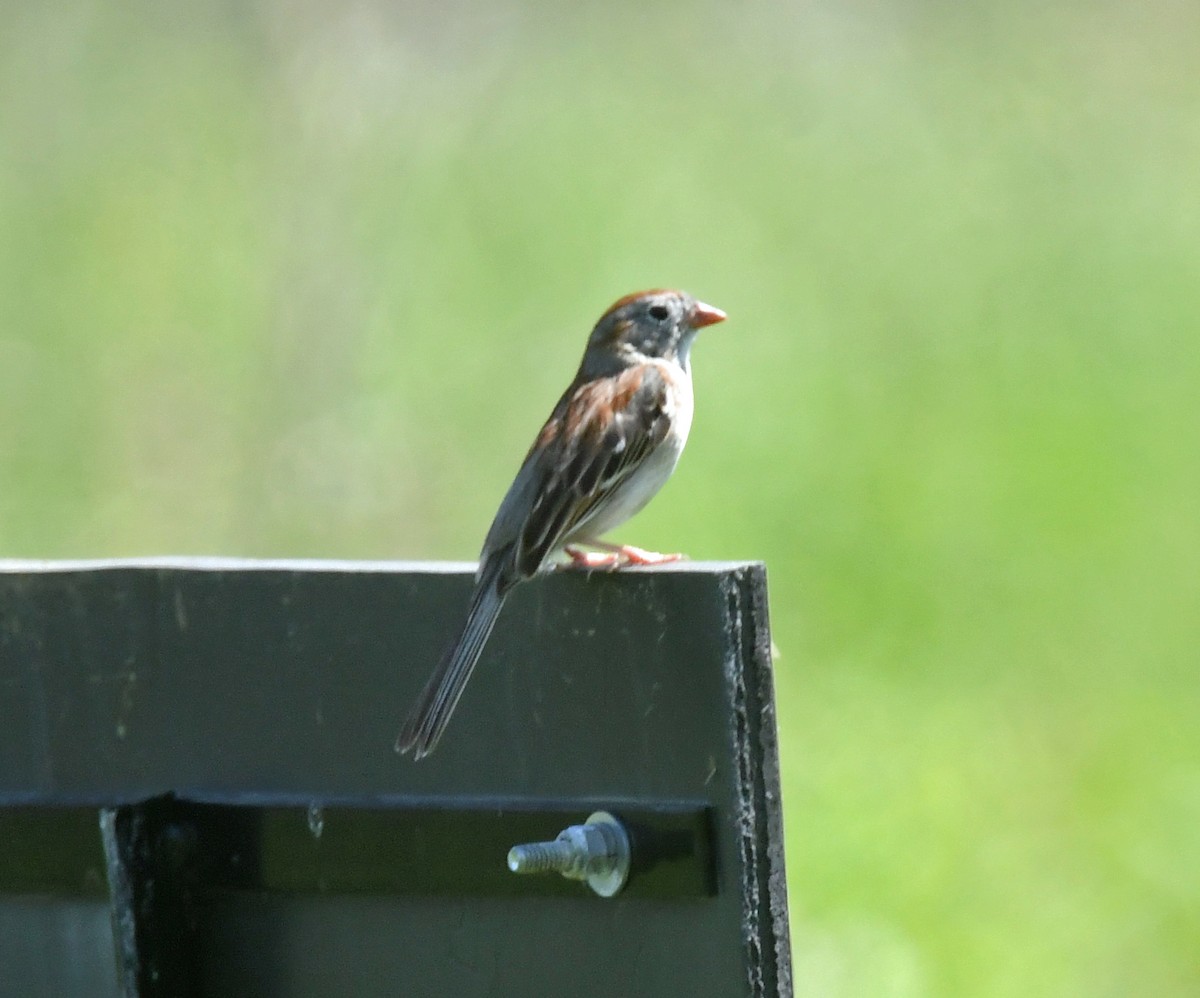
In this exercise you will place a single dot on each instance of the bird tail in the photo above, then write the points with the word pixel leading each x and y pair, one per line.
pixel 437 701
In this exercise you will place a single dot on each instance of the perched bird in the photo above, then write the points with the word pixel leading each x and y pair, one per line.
pixel 610 444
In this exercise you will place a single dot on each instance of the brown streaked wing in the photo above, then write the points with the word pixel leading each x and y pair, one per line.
pixel 608 427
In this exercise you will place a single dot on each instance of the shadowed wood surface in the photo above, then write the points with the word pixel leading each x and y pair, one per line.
pixel 271 688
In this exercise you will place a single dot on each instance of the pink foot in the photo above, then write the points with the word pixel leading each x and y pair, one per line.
pixel 615 556
pixel 630 555
pixel 591 560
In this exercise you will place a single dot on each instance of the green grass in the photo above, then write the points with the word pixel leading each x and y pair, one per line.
pixel 304 285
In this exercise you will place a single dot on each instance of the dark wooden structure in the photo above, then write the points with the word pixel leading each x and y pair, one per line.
pixel 198 793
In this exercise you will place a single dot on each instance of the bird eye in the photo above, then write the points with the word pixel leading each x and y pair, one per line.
pixel 658 312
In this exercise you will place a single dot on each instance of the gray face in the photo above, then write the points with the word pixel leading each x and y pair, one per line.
pixel 663 322
pixel 654 324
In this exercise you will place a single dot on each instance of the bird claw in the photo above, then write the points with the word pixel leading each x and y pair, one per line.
pixel 620 556
pixel 591 560
pixel 640 556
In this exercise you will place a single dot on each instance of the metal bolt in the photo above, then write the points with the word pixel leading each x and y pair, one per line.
pixel 597 852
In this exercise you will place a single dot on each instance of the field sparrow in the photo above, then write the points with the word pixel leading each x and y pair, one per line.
pixel 610 444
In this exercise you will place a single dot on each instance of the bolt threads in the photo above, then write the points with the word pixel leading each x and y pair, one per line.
pixel 543 857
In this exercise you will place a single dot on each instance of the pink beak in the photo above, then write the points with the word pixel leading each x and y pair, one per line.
pixel 705 315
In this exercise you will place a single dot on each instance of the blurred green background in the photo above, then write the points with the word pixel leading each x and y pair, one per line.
pixel 303 280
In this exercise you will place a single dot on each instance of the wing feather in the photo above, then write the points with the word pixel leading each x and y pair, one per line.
pixel 598 434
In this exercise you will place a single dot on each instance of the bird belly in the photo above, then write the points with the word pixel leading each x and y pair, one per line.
pixel 643 484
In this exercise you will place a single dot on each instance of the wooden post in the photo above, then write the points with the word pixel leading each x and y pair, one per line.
pixel 233 722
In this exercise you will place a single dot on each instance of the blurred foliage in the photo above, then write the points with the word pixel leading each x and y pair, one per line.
pixel 302 280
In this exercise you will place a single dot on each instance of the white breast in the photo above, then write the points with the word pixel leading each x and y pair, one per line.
pixel 643 484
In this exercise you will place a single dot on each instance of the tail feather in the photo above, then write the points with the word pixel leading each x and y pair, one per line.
pixel 437 701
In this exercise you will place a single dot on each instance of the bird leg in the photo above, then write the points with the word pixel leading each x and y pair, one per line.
pixel 590 560
pixel 615 556
pixel 630 555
